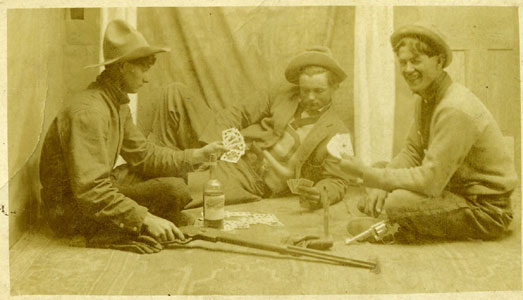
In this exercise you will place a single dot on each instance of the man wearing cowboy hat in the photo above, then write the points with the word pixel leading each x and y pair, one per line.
pixel 454 177
pixel 286 132
pixel 81 193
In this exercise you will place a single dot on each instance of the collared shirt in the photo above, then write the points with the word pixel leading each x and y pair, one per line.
pixel 81 148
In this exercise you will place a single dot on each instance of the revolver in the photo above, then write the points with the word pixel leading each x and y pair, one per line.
pixel 376 231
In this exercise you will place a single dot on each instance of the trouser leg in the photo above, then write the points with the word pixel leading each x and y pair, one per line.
pixel 180 118
pixel 163 196
pixel 240 183
pixel 448 216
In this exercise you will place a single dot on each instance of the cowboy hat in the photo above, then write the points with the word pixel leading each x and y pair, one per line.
pixel 426 33
pixel 316 56
pixel 123 43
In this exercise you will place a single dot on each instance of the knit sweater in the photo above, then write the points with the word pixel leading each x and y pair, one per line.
pixel 454 144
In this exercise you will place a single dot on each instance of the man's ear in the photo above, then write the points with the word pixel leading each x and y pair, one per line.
pixel 125 67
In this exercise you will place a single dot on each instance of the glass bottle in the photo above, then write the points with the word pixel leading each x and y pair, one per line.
pixel 213 199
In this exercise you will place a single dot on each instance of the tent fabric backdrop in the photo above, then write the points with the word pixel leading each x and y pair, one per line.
pixel 374 85
pixel 226 54
pixel 46 55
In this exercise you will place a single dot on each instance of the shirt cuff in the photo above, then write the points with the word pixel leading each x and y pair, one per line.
pixel 134 222
pixel 189 159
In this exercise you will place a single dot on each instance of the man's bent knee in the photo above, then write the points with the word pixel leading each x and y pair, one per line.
pixel 402 200
pixel 175 189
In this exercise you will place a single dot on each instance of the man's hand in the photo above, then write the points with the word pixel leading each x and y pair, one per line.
pixel 203 154
pixel 352 165
pixel 309 195
pixel 161 229
pixel 372 205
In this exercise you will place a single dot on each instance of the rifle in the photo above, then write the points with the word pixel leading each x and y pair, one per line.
pixel 193 233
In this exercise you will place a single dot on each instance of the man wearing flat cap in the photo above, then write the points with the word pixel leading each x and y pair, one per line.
pixel 454 177
pixel 286 132
pixel 81 193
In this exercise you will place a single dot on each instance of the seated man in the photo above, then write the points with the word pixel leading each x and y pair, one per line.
pixel 81 193
pixel 286 133
pixel 454 178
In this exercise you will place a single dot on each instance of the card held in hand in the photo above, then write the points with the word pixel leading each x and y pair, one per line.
pixel 294 184
pixel 340 143
pixel 234 142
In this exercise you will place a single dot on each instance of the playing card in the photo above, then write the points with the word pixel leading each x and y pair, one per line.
pixel 294 184
pixel 242 220
pixel 291 185
pixel 340 143
pixel 239 147
pixel 305 182
pixel 229 214
pixel 231 156
pixel 232 141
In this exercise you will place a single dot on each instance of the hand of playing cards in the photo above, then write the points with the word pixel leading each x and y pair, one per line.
pixel 233 141
pixel 294 184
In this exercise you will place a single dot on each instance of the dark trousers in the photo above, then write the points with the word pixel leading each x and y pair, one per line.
pixel 450 216
pixel 164 197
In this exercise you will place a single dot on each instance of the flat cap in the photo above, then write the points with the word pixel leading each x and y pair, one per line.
pixel 426 33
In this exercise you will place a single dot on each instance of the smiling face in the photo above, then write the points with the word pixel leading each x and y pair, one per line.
pixel 315 91
pixel 418 69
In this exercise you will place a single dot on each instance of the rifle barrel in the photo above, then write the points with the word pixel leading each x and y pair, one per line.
pixel 251 244
pixel 297 251
pixel 333 258
pixel 212 236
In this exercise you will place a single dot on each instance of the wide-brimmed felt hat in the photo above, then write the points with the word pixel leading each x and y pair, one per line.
pixel 426 33
pixel 314 56
pixel 123 43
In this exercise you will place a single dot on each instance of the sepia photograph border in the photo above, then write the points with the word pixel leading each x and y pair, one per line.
pixel 4 176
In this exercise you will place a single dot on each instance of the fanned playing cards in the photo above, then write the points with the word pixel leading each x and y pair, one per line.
pixel 340 143
pixel 233 141
pixel 294 184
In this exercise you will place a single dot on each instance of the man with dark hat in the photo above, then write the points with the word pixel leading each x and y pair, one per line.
pixel 454 177
pixel 286 132
pixel 81 192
